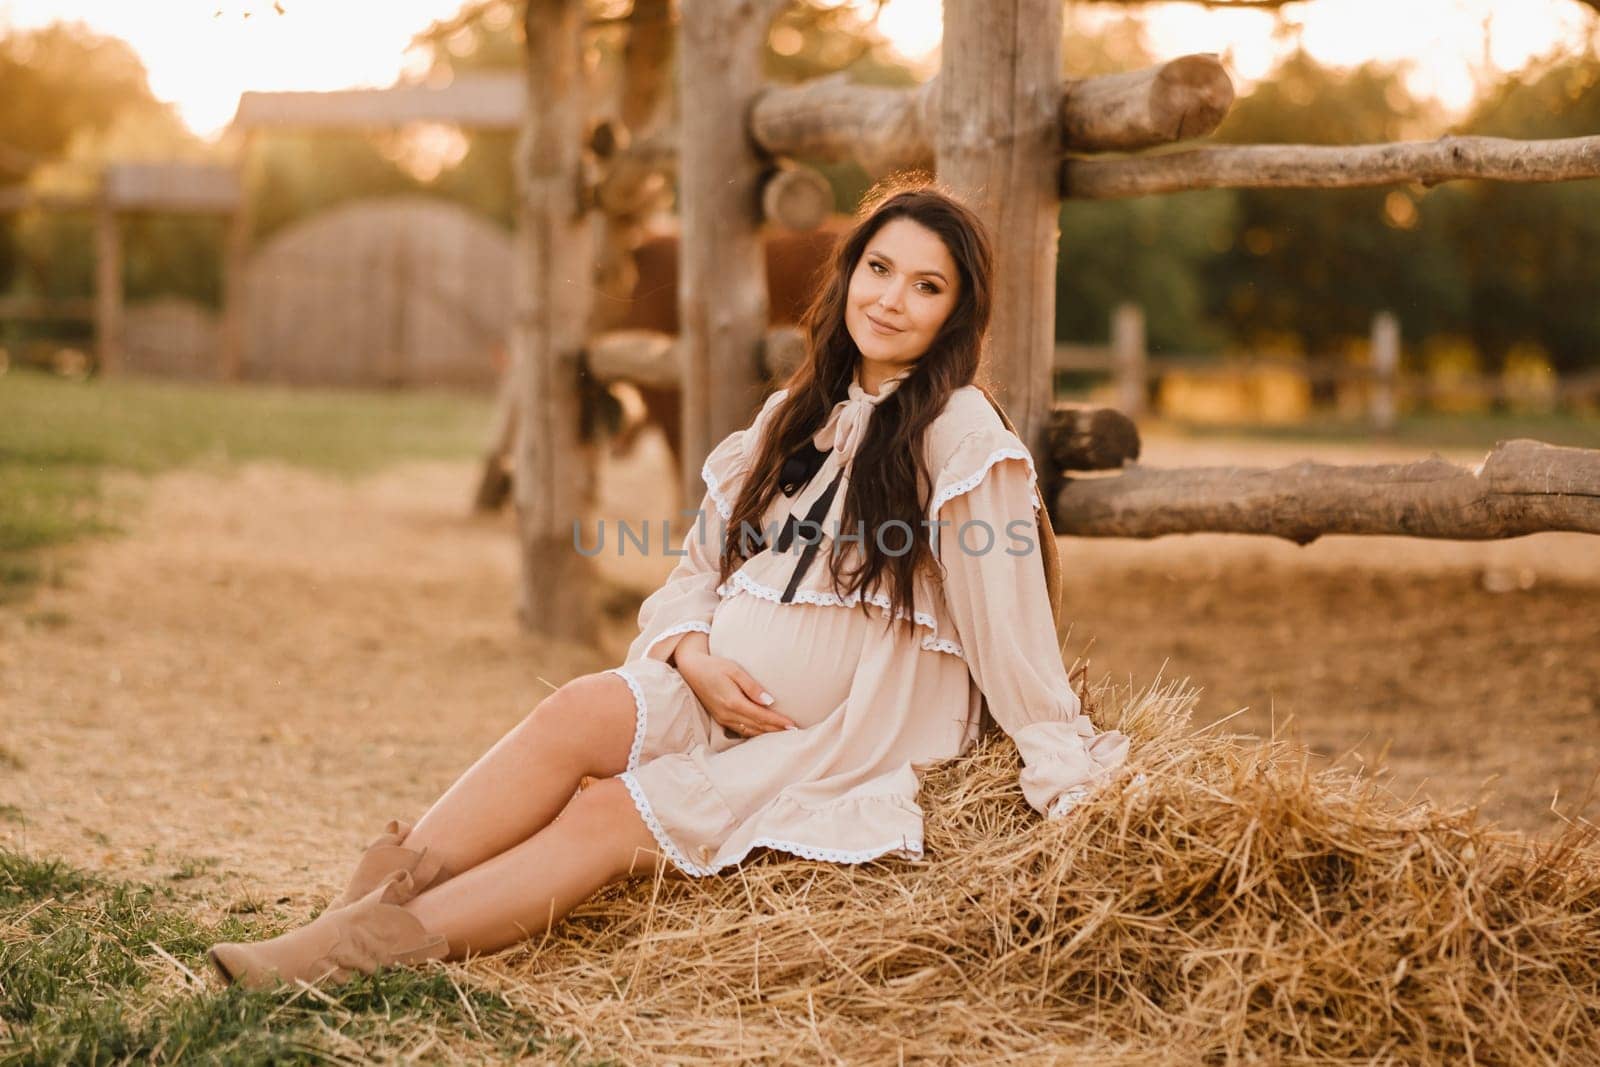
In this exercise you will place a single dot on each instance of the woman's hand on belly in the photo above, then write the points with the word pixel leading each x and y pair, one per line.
pixel 727 691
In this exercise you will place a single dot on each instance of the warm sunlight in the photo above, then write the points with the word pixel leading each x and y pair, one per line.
pixel 1450 45
pixel 201 56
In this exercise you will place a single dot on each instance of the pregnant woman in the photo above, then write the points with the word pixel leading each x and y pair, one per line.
pixel 873 577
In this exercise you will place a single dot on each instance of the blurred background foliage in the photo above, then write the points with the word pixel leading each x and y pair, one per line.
pixel 1495 271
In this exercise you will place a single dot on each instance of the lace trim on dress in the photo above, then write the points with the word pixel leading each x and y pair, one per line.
pixel 658 831
pixel 834 600
pixel 909 848
pixel 902 849
pixel 714 490
pixel 694 626
pixel 1064 803
pixel 639 715
pixel 969 483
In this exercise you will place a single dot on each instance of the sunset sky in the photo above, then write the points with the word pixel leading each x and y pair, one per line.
pixel 201 54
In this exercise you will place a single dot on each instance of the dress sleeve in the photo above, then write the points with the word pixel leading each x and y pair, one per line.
pixel 688 598
pixel 997 601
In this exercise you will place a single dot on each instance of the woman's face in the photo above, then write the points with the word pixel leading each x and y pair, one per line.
pixel 902 290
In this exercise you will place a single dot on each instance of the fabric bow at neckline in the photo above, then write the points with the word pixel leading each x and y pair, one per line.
pixel 846 425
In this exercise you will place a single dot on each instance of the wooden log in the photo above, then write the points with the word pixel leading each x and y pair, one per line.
pixel 722 288
pixel 997 140
pixel 485 100
pixel 1083 438
pixel 1187 97
pixel 796 197
pixel 833 119
pixel 1521 487
pixel 1075 357
pixel 643 357
pixel 553 466
pixel 172 188
pixel 1333 167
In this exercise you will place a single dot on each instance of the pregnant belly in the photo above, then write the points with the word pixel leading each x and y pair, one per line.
pixel 805 655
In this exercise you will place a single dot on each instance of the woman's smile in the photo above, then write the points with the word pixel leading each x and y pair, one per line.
pixel 903 288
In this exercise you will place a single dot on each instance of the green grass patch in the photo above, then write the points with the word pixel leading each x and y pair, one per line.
pixel 58 437
pixel 81 981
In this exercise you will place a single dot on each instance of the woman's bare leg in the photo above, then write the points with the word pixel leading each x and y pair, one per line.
pixel 527 889
pixel 521 784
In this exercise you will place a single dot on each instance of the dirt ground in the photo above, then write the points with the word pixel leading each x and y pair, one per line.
pixel 235 695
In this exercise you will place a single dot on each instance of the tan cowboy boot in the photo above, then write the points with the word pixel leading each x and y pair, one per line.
pixel 386 855
pixel 372 933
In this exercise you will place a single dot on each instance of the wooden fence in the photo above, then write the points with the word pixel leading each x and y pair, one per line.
pixel 1384 387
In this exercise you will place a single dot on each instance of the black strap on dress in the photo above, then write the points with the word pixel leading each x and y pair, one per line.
pixel 796 474
pixel 814 517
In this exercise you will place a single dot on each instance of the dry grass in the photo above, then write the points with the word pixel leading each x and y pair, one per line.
pixel 1232 904
pixel 232 699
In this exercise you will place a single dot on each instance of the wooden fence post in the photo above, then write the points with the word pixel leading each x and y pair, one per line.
pixel 998 145
pixel 722 265
pixel 107 286
pixel 1129 360
pixel 554 469
pixel 1385 363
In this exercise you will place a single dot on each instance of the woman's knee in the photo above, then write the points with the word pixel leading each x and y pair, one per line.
pixel 605 812
pixel 591 718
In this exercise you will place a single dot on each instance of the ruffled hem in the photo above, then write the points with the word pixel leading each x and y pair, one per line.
pixel 667 717
pixel 740 582
pixel 973 480
pixel 679 630
pixel 829 818
pixel 1066 758
pixel 719 498
pixel 648 814
pixel 641 716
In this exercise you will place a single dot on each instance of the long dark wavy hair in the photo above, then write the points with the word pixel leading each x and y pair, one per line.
pixel 888 479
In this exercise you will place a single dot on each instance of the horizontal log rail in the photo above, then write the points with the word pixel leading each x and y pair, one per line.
pixel 1083 438
pixel 832 118
pixel 1521 487
pixel 1332 167
pixel 42 309
pixel 1097 359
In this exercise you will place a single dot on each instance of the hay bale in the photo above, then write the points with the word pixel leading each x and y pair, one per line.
pixel 1232 905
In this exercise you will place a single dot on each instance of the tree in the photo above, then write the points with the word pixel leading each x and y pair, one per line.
pixel 1318 265
pixel 1154 251
pixel 1528 251
pixel 71 101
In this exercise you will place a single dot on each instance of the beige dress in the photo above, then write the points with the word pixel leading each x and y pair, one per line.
pixel 875 706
